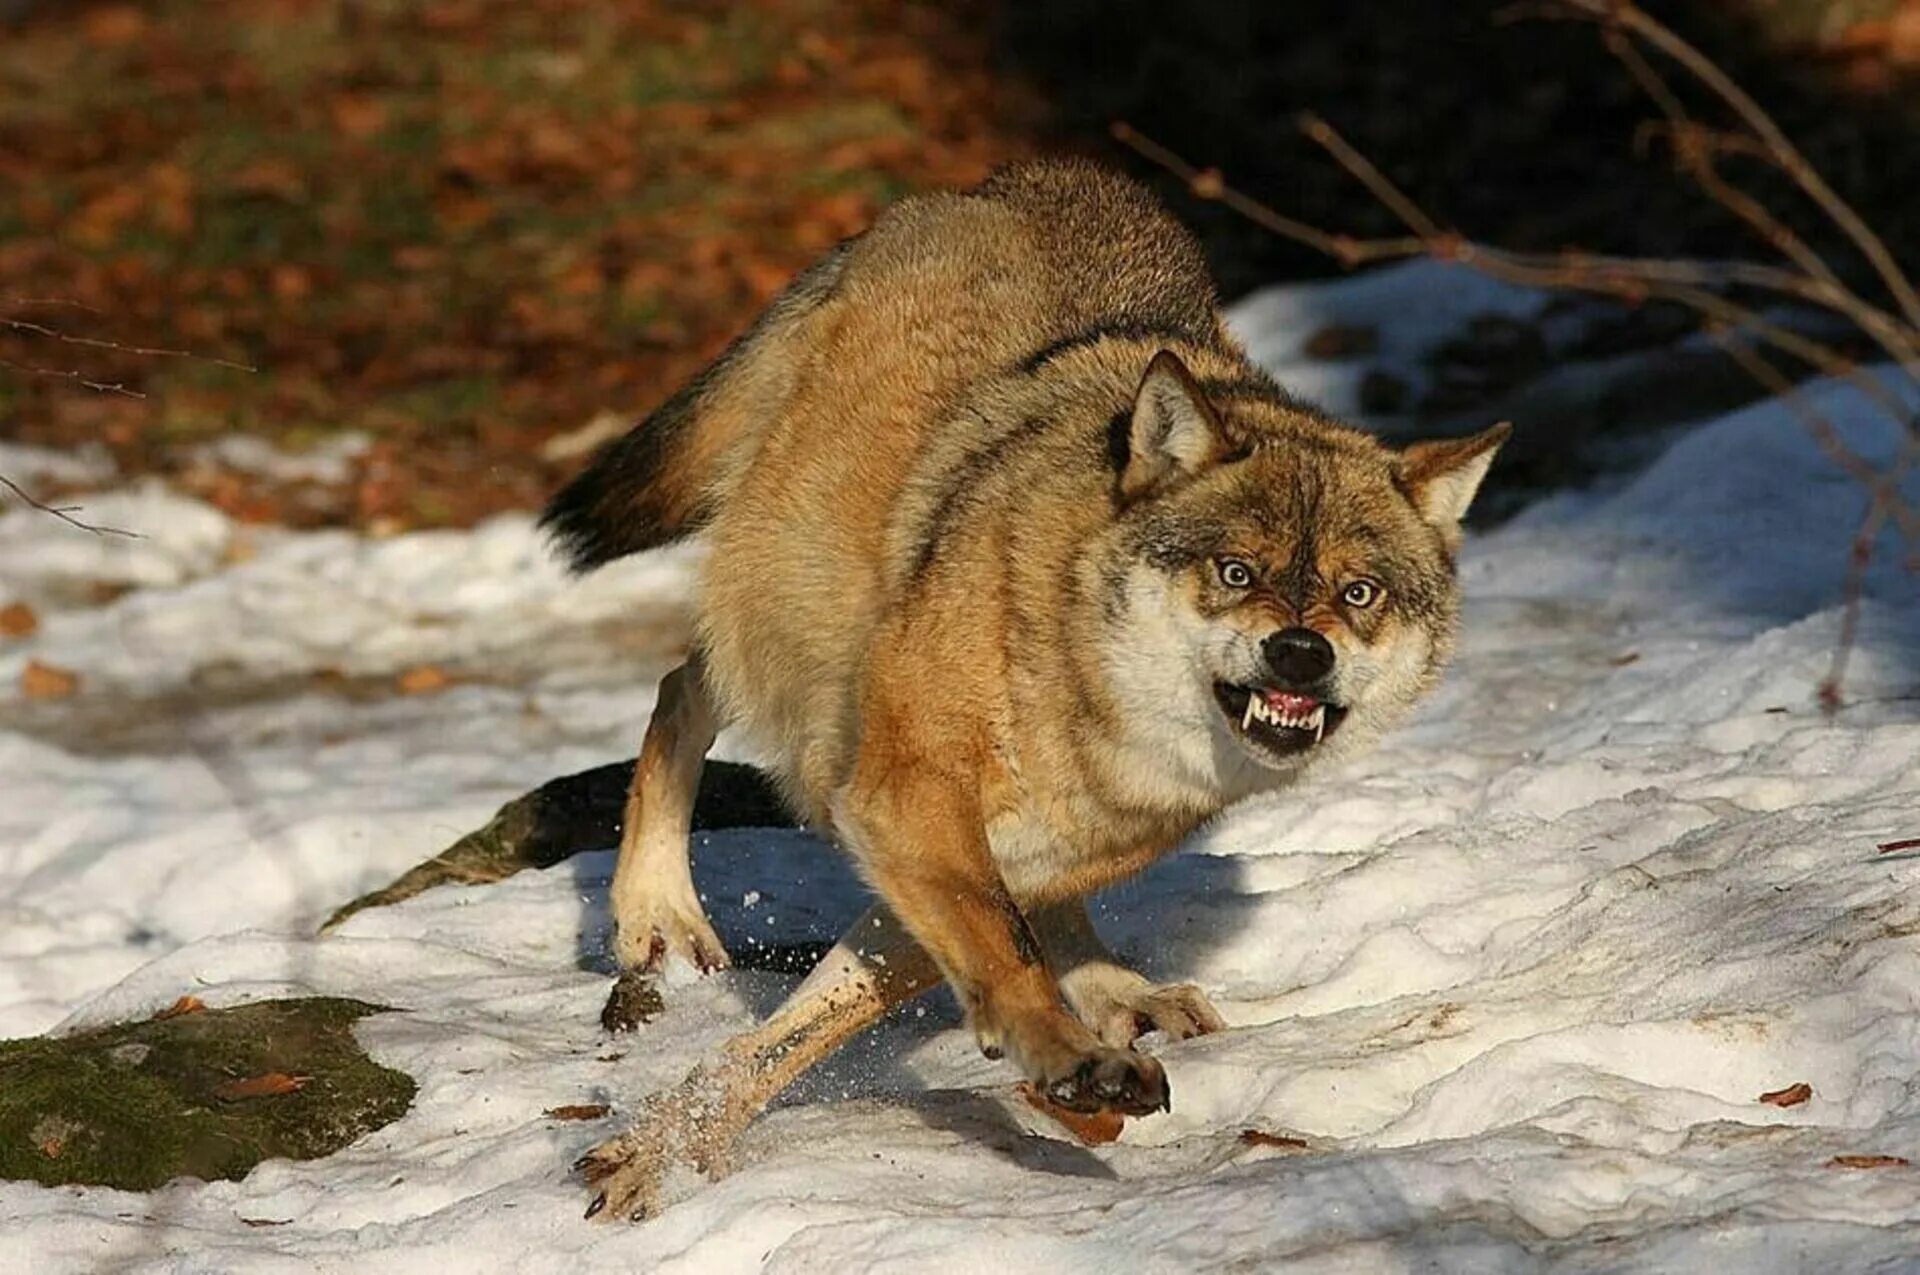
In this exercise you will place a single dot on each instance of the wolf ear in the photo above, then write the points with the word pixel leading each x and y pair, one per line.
pixel 1441 477
pixel 1173 429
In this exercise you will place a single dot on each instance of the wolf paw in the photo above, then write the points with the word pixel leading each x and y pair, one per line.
pixel 1119 1006
pixel 681 1134
pixel 1176 1010
pixel 1111 1080
pixel 646 935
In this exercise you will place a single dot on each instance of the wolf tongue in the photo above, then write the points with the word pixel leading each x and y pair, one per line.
pixel 1290 703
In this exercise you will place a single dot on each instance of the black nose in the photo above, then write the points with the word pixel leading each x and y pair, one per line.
pixel 1299 656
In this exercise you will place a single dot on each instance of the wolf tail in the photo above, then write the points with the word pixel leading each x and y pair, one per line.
pixel 668 475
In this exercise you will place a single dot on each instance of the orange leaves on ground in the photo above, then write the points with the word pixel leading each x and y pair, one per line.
pixel 185 1005
pixel 1791 1096
pixel 1261 1138
pixel 1868 1162
pixel 469 228
pixel 270 1084
pixel 578 1111
pixel 423 679
pixel 1093 1130
pixel 47 681
pixel 18 620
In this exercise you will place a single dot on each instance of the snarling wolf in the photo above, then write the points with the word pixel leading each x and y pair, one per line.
pixel 1018 571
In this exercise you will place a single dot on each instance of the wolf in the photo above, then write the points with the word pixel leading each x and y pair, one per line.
pixel 1018 570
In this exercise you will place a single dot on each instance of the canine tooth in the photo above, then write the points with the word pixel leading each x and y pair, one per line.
pixel 1319 722
pixel 1253 708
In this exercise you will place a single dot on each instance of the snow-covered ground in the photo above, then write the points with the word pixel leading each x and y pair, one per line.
pixel 1516 982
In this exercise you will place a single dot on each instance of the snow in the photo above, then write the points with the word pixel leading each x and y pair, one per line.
pixel 1516 981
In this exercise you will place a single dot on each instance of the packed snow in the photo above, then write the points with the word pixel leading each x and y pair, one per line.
pixel 1505 995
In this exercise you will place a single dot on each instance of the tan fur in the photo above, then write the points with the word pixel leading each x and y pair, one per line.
pixel 968 508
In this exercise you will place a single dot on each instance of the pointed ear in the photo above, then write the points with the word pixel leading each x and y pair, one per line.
pixel 1442 476
pixel 1173 430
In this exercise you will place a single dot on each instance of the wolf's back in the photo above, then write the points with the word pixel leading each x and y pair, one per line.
pixel 659 482
pixel 1107 258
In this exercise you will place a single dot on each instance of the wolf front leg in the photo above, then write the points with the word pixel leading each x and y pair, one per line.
pixel 922 842
pixel 1117 1003
pixel 691 1128
pixel 656 913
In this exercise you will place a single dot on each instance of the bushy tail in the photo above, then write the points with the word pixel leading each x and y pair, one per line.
pixel 667 476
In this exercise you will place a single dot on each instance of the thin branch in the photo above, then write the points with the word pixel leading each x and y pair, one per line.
pixel 65 512
pixel 66 338
pixel 78 378
pixel 1624 15
pixel 1207 184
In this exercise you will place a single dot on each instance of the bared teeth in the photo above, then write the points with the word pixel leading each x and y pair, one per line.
pixel 1260 710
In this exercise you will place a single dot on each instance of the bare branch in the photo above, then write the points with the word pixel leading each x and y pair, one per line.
pixel 31 328
pixel 65 512
pixel 1622 15
pixel 78 378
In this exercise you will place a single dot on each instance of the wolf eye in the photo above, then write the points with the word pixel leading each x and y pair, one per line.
pixel 1361 594
pixel 1235 574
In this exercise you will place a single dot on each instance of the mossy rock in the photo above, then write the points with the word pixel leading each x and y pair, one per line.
pixel 136 1105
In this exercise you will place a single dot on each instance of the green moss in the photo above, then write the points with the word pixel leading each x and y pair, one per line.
pixel 136 1105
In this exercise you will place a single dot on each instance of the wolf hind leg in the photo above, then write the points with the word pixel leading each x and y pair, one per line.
pixel 691 1128
pixel 656 912
pixel 1117 1004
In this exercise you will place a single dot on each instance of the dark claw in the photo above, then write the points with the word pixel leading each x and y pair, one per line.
pixel 599 1202
pixel 1130 1086
pixel 580 1165
pixel 992 1053
pixel 638 1215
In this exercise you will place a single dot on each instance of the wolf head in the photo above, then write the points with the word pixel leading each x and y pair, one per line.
pixel 1277 589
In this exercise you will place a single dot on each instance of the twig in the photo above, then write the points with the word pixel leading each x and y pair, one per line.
pixel 78 378
pixel 1626 16
pixel 66 338
pixel 65 512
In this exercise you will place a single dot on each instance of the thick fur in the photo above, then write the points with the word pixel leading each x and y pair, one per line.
pixel 970 489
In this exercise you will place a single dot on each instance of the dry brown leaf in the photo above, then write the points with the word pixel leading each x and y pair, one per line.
pixel 185 1005
pixel 1096 1129
pixel 423 679
pixel 1867 1162
pixel 1261 1138
pixel 1791 1096
pixel 578 1111
pixel 269 1084
pixel 45 681
pixel 17 620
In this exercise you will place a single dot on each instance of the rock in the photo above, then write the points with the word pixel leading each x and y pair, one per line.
pixel 136 1105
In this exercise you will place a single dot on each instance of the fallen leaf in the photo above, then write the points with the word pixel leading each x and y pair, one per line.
pixel 269 1084
pixel 185 1005
pixel 1261 1138
pixel 1092 1130
pixel 1909 843
pixel 578 1111
pixel 1791 1096
pixel 1867 1162
pixel 17 620
pixel 45 681
pixel 423 679
pixel 1342 341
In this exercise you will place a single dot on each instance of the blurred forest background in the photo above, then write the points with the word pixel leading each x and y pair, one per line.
pixel 460 242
